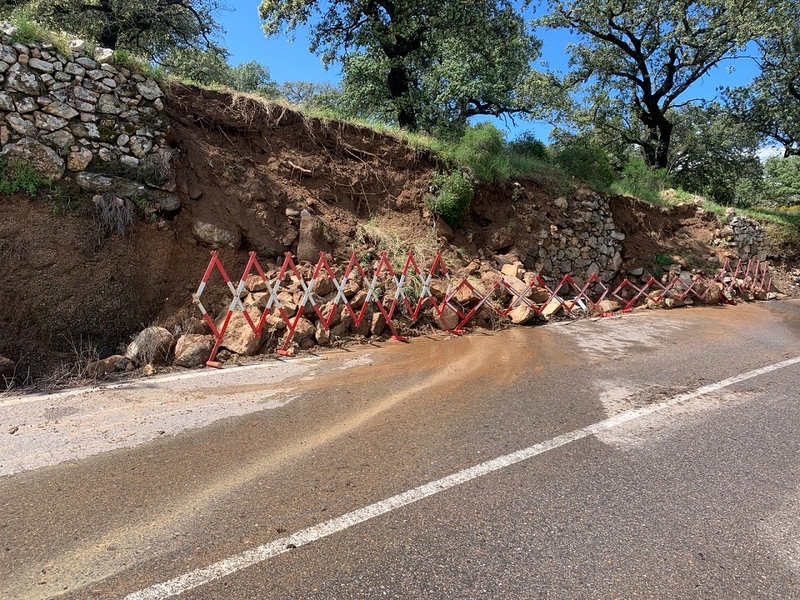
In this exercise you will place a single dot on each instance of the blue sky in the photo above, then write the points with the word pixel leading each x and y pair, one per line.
pixel 289 60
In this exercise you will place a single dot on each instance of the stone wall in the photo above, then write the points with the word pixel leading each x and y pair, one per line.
pixel 68 113
pixel 743 235
pixel 589 244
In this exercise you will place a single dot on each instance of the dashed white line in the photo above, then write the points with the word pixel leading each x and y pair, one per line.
pixel 233 564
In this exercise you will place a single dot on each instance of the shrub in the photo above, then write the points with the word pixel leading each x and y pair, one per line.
pixel 19 176
pixel 482 150
pixel 587 163
pixel 113 214
pixel 528 146
pixel 454 193
pixel 641 181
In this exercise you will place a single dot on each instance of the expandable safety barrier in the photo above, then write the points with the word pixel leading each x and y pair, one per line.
pixel 411 290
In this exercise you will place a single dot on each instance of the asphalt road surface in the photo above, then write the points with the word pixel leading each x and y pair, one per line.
pixel 651 456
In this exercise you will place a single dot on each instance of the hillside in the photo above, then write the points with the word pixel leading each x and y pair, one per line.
pixel 254 176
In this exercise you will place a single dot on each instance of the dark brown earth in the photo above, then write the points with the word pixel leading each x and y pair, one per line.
pixel 65 287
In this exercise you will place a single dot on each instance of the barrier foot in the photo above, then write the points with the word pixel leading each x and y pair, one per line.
pixel 213 363
pixel 398 338
pixel 284 352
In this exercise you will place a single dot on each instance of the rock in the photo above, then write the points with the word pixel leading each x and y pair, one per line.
pixel 607 306
pixel 305 330
pixel 714 295
pixel 551 309
pixel 7 369
pixel 321 335
pixel 513 270
pixel 21 125
pixel 48 122
pixel 149 89
pixel 45 161
pixel 21 79
pixel 312 239
pixel 323 284
pixel 152 346
pixel 40 65
pixel 6 102
pixel 101 368
pixel 448 319
pixel 521 314
pixel 60 109
pixel 444 230
pixel 193 350
pixel 561 203
pixel 77 46
pixel 239 337
pixel 103 55
pixel 216 236
pixel 378 324
pixel 148 370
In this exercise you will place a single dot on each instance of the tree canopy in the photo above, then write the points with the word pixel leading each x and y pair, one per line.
pixel 150 28
pixel 772 102
pixel 637 59
pixel 419 63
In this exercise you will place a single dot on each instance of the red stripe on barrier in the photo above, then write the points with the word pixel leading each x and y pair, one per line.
pixel 389 290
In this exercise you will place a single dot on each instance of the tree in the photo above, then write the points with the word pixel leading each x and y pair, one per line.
pixel 311 95
pixel 782 178
pixel 712 152
pixel 640 57
pixel 146 27
pixel 419 63
pixel 772 101
pixel 210 67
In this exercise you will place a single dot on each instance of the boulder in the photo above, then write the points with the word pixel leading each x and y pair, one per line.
pixel 216 236
pixel 47 163
pixel 312 239
pixel 239 337
pixel 152 346
pixel 448 319
pixel 193 350
pixel 7 368
pixel 521 314
pixel 101 368
pixel 607 306
pixel 378 324
pixel 551 309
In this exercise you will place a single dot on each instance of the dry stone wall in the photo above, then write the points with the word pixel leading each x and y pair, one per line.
pixel 72 112
pixel 743 235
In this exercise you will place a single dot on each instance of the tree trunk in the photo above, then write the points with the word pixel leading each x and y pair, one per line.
pixel 109 36
pixel 399 84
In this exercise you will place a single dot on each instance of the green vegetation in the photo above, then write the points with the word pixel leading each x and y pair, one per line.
pixel 19 176
pixel 453 192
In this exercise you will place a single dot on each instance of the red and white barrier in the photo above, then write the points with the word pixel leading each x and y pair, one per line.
pixel 734 277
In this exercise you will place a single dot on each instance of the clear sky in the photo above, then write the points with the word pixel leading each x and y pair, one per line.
pixel 290 60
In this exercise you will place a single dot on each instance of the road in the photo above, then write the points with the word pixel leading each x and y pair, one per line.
pixel 650 456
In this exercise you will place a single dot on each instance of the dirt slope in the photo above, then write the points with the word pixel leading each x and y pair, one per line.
pixel 250 169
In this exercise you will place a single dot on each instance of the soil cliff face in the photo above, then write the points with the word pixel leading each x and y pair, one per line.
pixel 253 176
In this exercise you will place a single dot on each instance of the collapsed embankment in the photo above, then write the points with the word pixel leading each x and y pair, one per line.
pixel 253 176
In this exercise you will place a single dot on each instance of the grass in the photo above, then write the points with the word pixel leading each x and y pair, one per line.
pixel 19 176
pixel 30 31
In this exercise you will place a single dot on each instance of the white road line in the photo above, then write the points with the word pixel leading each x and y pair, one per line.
pixel 132 383
pixel 228 566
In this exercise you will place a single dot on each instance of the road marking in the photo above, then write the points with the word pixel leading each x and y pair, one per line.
pixel 131 383
pixel 233 564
